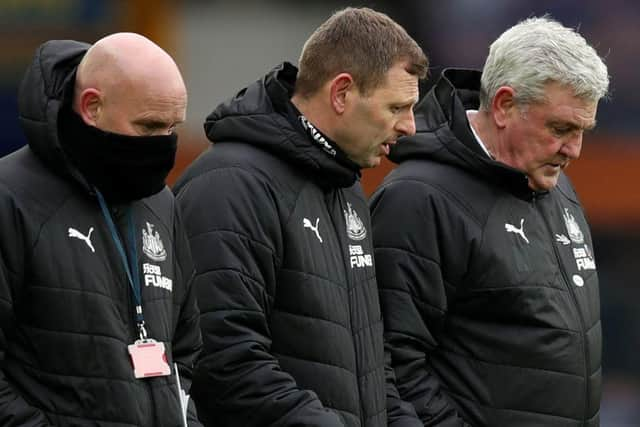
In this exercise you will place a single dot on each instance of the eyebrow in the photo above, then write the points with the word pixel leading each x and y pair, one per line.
pixel 154 123
pixel 406 103
pixel 572 125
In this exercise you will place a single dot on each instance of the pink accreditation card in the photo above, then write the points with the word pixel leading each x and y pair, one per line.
pixel 149 359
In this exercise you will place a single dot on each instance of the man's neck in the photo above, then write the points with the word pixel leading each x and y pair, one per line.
pixel 319 119
pixel 315 113
pixel 477 123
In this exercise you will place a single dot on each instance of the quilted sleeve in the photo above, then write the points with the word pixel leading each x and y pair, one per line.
pixel 14 409
pixel 412 293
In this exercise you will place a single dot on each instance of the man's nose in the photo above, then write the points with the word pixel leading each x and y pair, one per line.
pixel 572 147
pixel 406 126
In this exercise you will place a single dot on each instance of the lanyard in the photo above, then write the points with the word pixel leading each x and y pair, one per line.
pixel 130 262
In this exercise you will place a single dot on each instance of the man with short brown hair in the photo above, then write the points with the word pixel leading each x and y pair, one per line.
pixel 281 235
pixel 361 42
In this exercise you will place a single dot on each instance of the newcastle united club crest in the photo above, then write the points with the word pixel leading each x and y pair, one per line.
pixel 355 228
pixel 575 234
pixel 152 244
pixel 581 252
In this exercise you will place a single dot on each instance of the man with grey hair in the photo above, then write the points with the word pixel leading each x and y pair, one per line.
pixel 484 259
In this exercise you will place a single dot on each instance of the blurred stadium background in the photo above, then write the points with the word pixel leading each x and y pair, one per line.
pixel 222 45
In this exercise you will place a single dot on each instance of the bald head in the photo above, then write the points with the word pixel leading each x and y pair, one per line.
pixel 128 71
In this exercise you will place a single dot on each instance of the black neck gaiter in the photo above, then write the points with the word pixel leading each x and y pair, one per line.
pixel 124 168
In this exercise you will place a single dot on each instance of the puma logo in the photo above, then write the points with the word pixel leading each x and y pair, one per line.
pixel 520 231
pixel 307 224
pixel 78 235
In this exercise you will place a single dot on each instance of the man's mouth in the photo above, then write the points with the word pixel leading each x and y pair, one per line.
pixel 558 165
pixel 386 146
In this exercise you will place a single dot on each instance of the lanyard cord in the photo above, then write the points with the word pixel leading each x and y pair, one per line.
pixel 130 262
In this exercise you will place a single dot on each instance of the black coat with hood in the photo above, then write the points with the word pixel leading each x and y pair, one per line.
pixel 281 239
pixel 489 290
pixel 66 311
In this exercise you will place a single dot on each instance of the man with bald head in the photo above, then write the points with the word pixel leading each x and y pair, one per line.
pixel 98 322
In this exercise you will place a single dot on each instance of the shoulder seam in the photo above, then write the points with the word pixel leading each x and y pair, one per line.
pixel 444 192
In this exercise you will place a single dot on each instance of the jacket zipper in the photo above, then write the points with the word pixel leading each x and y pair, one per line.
pixel 585 350
pixel 347 275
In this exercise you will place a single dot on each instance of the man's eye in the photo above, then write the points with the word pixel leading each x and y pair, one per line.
pixel 153 128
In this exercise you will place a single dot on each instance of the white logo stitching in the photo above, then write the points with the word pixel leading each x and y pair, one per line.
pixel 153 277
pixel 578 280
pixel 152 244
pixel 78 235
pixel 575 234
pixel 561 238
pixel 307 224
pixel 355 227
pixel 512 229
pixel 317 136
pixel 358 258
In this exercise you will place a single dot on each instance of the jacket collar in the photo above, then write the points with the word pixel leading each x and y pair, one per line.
pixel 443 133
pixel 262 115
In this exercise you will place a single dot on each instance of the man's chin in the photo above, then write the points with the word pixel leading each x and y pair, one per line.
pixel 372 162
pixel 545 184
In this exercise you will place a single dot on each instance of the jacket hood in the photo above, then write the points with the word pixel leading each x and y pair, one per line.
pixel 263 115
pixel 46 86
pixel 443 133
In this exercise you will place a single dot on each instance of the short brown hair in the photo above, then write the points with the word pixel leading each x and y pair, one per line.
pixel 361 42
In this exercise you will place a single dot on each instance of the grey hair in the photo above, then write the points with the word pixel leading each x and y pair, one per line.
pixel 538 51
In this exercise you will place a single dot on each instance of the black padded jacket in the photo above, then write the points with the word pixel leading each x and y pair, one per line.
pixel 489 291
pixel 281 239
pixel 66 311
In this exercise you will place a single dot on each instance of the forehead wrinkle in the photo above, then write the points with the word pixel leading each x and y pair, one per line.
pixel 168 109
pixel 569 114
pixel 584 121
pixel 402 89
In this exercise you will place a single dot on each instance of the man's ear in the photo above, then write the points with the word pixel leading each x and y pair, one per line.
pixel 339 90
pixel 90 106
pixel 503 105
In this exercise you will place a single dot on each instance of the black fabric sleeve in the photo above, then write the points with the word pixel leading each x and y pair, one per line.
pixel 235 236
pixel 14 409
pixel 399 412
pixel 407 236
